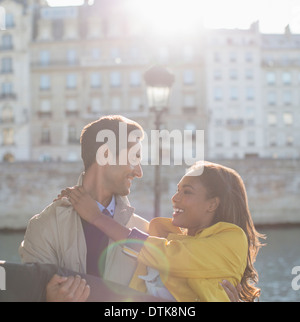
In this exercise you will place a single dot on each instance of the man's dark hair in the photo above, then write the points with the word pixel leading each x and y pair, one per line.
pixel 89 144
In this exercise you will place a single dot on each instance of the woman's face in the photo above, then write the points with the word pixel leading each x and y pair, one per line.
pixel 192 209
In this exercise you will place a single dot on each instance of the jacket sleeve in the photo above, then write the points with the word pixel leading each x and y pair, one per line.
pixel 216 255
pixel 36 246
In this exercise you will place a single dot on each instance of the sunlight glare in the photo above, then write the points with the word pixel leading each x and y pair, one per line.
pixel 65 3
pixel 169 16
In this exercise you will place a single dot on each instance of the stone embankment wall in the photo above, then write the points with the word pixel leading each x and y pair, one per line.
pixel 273 188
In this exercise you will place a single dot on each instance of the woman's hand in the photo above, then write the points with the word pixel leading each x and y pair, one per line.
pixel 83 203
pixel 63 194
pixel 87 209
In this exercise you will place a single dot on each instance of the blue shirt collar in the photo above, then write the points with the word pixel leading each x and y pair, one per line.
pixel 111 207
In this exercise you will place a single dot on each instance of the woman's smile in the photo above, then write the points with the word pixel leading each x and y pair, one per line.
pixel 177 211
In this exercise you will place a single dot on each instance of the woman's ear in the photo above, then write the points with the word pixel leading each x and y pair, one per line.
pixel 214 204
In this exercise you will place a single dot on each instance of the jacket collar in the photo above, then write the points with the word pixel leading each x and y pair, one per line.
pixel 123 210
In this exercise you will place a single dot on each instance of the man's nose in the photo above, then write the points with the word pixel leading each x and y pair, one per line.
pixel 138 172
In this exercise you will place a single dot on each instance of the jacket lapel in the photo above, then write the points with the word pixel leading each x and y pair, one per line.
pixel 71 236
pixel 123 212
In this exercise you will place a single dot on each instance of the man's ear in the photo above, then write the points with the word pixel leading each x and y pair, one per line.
pixel 214 204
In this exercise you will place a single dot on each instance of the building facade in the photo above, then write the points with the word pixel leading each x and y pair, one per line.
pixel 15 90
pixel 63 67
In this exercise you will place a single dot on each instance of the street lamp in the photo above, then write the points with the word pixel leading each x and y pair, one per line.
pixel 159 82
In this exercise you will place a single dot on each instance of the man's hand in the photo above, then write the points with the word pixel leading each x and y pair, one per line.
pixel 67 289
pixel 231 291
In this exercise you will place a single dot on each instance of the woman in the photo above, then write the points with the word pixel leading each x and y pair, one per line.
pixel 211 237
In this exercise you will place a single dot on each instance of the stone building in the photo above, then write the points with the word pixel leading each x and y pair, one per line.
pixel 15 89
pixel 63 67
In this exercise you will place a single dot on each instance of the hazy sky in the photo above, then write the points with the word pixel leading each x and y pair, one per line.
pixel 274 15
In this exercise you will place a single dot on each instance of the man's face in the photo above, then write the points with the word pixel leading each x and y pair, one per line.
pixel 118 178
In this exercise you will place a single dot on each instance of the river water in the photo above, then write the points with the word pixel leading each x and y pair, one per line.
pixel 274 261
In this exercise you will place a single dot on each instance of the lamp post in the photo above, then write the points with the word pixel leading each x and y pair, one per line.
pixel 159 82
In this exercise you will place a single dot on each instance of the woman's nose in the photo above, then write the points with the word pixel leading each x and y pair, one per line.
pixel 175 197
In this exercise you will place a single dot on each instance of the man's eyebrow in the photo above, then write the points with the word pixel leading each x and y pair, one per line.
pixel 186 186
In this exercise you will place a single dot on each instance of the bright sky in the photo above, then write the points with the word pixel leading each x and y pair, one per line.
pixel 274 15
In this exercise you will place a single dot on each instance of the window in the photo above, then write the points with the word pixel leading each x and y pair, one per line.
pixel 115 103
pixel 6 65
pixel 95 53
pixel 188 54
pixel 289 140
pixel 273 139
pixel 287 97
pixel 251 138
pixel 250 114
pixel 271 98
pixel 45 135
pixel 233 93
pixel 272 119
pixel 115 79
pixel 219 136
pixel 218 94
pixel 233 57
pixel 217 74
pixel 250 93
pixel 134 53
pixel 9 20
pixel 235 138
pixel 233 74
pixel 135 78
pixel 249 74
pixel 45 106
pixel 7 114
pixel 72 134
pixel 95 80
pixel 163 54
pixel 115 54
pixel 95 105
pixel 217 57
pixel 189 101
pixel 71 81
pixel 286 78
pixel 71 30
pixel 249 57
pixel 288 118
pixel 6 42
pixel 71 57
pixel 271 78
pixel 7 88
pixel 188 77
pixel 44 58
pixel 8 136
pixel 71 105
pixel 45 82
pixel 135 103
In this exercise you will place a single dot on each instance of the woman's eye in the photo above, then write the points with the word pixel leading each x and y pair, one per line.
pixel 187 192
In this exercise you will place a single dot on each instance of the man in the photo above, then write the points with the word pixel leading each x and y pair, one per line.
pixel 58 236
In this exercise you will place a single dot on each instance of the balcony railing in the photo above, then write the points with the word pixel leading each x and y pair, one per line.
pixel 7 96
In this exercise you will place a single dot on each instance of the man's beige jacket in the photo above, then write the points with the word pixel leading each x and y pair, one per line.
pixel 56 236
